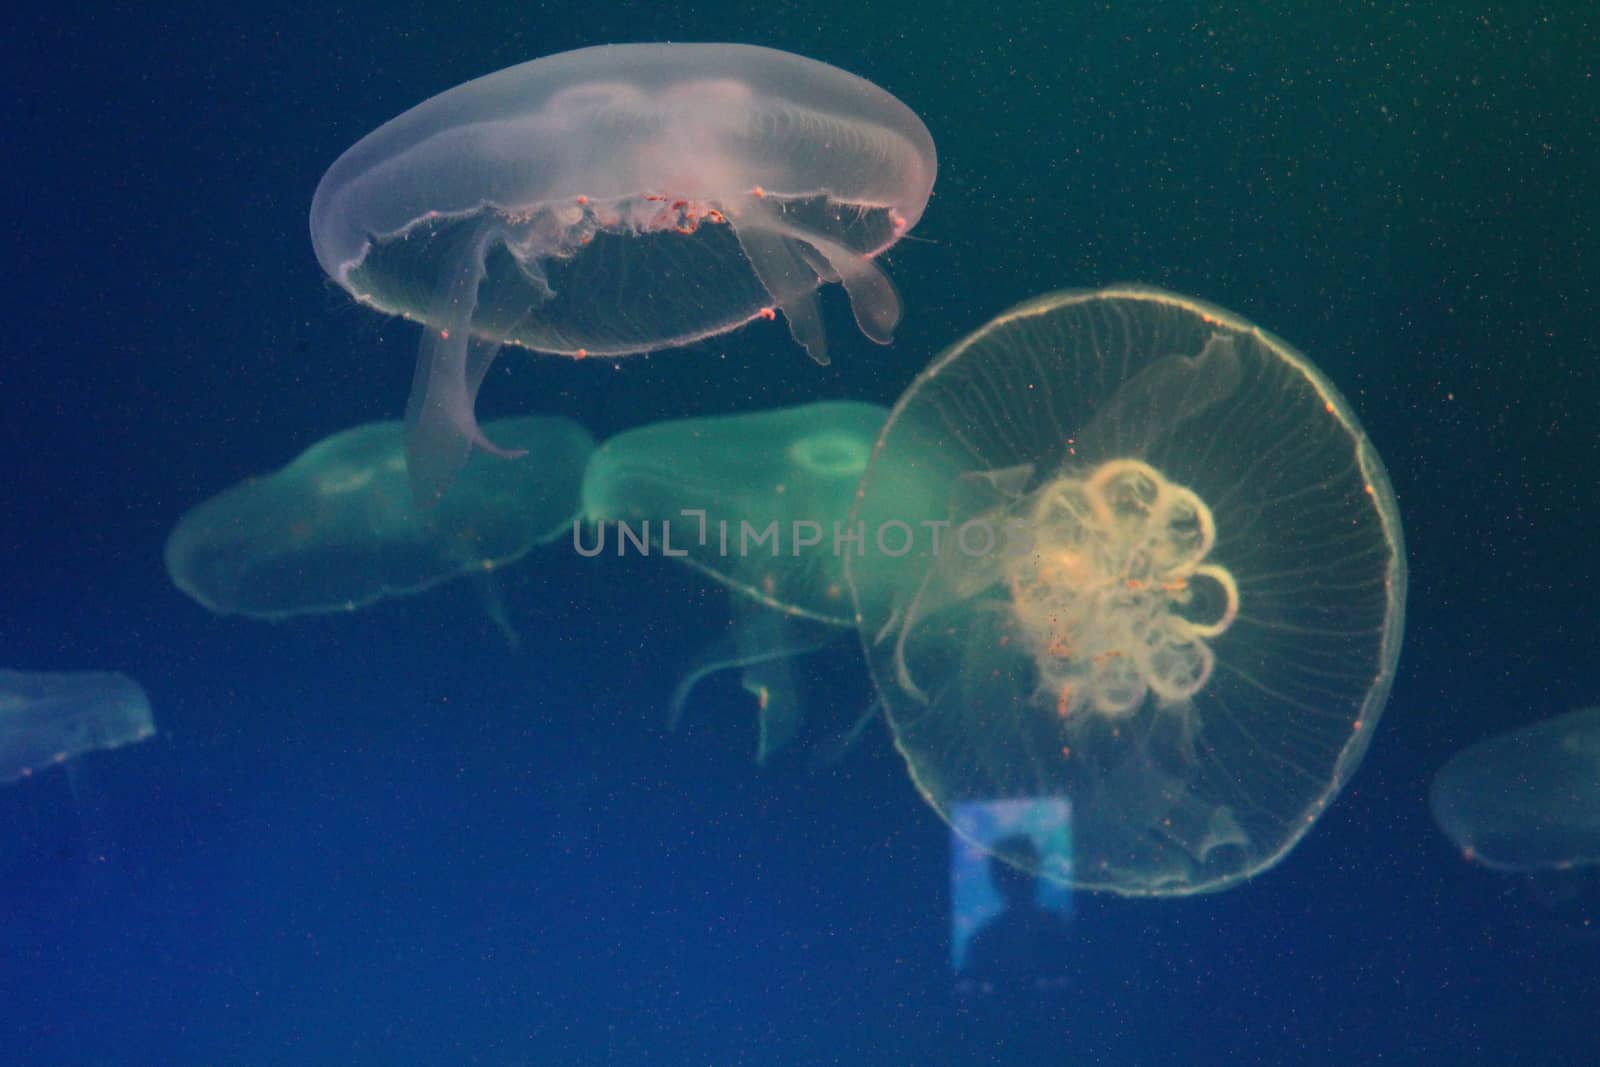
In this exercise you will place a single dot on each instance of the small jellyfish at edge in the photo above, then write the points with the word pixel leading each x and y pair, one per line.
pixel 1527 800
pixel 47 719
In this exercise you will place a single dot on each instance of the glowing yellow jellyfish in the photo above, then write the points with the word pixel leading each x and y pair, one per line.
pixel 1148 562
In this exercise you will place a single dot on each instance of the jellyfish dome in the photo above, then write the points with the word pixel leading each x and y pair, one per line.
pixel 337 528
pixel 1528 800
pixel 756 500
pixel 616 200
pixel 48 718
pixel 1152 565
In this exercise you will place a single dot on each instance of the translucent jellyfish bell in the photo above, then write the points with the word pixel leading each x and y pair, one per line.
pixel 1527 800
pixel 757 500
pixel 48 718
pixel 615 200
pixel 338 529
pixel 1157 570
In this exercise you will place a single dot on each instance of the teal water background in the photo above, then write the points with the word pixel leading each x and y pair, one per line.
pixel 385 838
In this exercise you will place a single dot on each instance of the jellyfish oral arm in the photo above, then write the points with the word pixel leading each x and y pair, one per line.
pixel 873 299
pixel 791 262
pixel 1104 605
pixel 785 275
pixel 441 427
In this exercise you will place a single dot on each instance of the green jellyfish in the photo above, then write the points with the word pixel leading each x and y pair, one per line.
pixel 47 719
pixel 1159 574
pixel 336 529
pixel 758 502
pixel 1528 800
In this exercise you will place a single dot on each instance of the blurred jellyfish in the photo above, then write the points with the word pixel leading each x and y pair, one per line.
pixel 48 719
pixel 758 502
pixel 1527 800
pixel 616 200
pixel 1158 572
pixel 336 529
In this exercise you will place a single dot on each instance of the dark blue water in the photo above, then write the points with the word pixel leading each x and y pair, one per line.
pixel 386 838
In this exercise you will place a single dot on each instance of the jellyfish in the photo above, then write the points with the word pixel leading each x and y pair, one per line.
pixel 1527 800
pixel 47 719
pixel 337 529
pixel 1163 579
pixel 617 200
pixel 757 501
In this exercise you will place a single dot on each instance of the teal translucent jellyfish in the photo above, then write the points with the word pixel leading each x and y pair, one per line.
pixel 337 528
pixel 1158 573
pixel 47 719
pixel 615 200
pixel 1528 800
pixel 757 501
